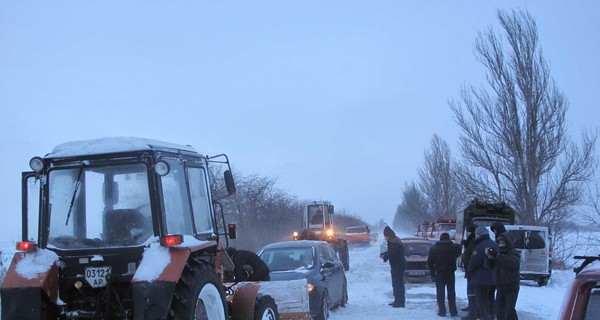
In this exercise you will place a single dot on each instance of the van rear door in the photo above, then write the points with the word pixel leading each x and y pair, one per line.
pixel 534 248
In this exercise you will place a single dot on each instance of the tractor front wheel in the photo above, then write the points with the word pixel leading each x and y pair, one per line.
pixel 198 294
pixel 265 308
pixel 344 255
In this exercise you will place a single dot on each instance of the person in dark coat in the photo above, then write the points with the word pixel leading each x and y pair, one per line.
pixel 395 255
pixel 498 229
pixel 482 277
pixel 242 259
pixel 505 262
pixel 467 252
pixel 442 264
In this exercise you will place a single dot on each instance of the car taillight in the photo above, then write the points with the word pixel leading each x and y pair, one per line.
pixel 26 246
pixel 170 241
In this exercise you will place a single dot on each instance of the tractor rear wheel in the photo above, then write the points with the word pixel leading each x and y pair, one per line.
pixel 198 294
pixel 265 308
pixel 344 255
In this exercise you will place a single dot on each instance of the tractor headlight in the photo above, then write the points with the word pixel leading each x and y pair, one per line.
pixel 162 168
pixel 329 232
pixel 36 164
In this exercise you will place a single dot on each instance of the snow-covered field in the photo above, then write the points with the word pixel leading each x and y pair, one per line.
pixel 370 290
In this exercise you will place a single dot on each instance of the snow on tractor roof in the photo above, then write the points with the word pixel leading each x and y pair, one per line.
pixel 112 145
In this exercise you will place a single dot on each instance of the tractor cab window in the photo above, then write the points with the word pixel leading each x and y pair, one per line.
pixel 99 206
pixel 315 216
pixel 178 213
pixel 32 187
pixel 200 200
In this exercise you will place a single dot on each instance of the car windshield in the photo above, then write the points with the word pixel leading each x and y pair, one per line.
pixel 419 249
pixel 286 259
pixel 93 206
pixel 356 229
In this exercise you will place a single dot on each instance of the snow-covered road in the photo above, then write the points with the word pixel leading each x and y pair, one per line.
pixel 370 290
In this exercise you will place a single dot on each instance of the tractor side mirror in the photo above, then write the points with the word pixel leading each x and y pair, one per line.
pixel 330 209
pixel 229 183
pixel 231 231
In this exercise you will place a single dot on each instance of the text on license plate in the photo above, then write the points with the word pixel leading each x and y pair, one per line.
pixel 97 276
pixel 416 273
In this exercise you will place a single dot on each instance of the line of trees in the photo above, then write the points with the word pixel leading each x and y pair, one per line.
pixel 514 144
pixel 265 213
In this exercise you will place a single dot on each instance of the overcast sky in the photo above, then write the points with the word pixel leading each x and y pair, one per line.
pixel 338 100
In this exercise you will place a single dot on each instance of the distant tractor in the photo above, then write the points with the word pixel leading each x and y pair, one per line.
pixel 317 224
pixel 125 228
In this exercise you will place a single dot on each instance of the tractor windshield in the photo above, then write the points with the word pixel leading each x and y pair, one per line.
pixel 99 206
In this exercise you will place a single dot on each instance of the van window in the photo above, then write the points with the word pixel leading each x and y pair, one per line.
pixel 527 239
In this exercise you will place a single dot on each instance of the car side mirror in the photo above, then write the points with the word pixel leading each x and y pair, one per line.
pixel 327 265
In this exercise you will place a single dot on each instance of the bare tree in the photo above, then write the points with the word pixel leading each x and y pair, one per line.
pixel 437 181
pixel 412 211
pixel 591 212
pixel 514 141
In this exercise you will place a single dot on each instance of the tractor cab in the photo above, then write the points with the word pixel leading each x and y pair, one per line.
pixel 320 219
pixel 317 224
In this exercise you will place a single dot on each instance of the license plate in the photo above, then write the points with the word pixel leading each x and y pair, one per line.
pixel 416 273
pixel 97 277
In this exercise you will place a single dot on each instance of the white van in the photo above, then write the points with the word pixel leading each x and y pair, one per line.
pixel 534 244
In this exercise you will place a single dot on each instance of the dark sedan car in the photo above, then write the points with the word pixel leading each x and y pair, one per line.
pixel 317 262
pixel 416 251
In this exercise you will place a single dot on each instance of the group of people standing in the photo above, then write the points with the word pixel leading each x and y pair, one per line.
pixel 491 269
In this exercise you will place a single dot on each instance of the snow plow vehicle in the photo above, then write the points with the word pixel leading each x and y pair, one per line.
pixel 317 224
pixel 126 228
pixel 358 235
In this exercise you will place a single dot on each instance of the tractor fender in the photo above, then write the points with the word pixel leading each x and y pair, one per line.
pixel 30 276
pixel 244 298
pixel 159 271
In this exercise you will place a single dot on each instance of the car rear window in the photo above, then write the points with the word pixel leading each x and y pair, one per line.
pixel 527 239
pixel 419 249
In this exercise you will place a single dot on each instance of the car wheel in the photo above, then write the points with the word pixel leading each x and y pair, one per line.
pixel 344 294
pixel 324 310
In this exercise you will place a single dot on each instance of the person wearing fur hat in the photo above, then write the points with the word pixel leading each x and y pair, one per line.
pixel 395 255
pixel 498 229
pixel 482 278
pixel 505 263
pixel 442 264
